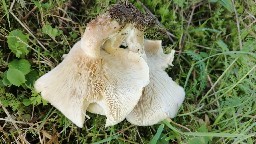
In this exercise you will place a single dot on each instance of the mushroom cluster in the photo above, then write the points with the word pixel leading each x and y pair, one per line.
pixel 99 76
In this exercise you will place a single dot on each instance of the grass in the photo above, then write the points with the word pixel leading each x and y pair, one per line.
pixel 215 62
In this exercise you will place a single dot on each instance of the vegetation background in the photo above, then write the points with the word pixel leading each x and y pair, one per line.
pixel 215 41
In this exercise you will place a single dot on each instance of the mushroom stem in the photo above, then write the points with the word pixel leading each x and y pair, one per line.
pixel 135 41
pixel 91 46
pixel 116 40
pixel 97 31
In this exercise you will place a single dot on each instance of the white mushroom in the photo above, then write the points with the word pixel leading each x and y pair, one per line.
pixel 162 97
pixel 113 78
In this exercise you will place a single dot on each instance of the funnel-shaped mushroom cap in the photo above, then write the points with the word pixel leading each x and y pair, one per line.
pixel 126 75
pixel 130 74
pixel 96 32
pixel 113 78
pixel 66 86
pixel 162 97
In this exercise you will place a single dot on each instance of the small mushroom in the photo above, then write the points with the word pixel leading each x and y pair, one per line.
pixel 162 97
pixel 113 78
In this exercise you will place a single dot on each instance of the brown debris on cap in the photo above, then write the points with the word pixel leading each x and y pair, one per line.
pixel 125 12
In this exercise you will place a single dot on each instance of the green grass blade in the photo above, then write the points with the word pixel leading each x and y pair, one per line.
pixel 6 12
pixel 203 134
pixel 157 135
pixel 107 139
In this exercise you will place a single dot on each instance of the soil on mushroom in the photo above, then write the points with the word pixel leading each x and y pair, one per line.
pixel 128 13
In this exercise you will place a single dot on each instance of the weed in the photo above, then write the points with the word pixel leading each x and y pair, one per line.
pixel 215 41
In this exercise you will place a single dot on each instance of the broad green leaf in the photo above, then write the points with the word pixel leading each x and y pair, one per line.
pixel 26 102
pixel 44 102
pixel 52 32
pixel 15 76
pixel 17 43
pixel 22 65
pixel 36 100
pixel 31 78
pixel 5 81
pixel 73 35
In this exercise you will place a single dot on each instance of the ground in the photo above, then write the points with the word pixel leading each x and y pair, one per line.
pixel 215 61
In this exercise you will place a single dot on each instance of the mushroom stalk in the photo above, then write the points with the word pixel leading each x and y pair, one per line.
pixel 96 33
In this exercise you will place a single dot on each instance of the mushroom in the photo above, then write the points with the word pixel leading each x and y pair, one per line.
pixel 100 77
pixel 162 97
pixel 111 77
